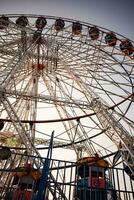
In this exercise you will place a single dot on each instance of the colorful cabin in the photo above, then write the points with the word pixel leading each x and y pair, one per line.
pixel 91 179
pixel 111 39
pixel 127 47
pixel 24 184
pixel 4 22
pixel 76 28
pixel 94 33
pixel 22 21
pixel 59 24
pixel 40 23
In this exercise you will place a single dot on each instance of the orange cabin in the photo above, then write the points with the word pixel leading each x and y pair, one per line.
pixel 24 184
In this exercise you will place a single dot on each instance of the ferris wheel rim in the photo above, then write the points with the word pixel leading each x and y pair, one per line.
pixel 12 15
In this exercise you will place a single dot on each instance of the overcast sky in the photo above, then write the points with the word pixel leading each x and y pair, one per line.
pixel 116 15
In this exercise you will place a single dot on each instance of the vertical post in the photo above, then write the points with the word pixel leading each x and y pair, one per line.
pixel 45 171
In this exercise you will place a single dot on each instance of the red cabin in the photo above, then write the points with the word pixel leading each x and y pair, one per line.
pixel 24 185
pixel 91 178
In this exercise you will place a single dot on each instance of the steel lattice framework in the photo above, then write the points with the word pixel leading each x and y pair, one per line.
pixel 67 81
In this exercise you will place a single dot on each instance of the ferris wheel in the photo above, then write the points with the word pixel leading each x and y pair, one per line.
pixel 68 76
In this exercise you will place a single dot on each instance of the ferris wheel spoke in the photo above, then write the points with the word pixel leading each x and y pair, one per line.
pixel 22 108
pixel 62 112
pixel 81 135
pixel 105 117
pixel 11 68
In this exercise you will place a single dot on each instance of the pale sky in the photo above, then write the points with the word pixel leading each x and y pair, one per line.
pixel 116 15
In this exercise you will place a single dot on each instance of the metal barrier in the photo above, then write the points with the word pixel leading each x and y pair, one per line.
pixel 64 181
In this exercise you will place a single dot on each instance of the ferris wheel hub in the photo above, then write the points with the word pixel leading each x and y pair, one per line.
pixel 39 67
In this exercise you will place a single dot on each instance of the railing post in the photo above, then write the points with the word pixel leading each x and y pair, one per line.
pixel 45 171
